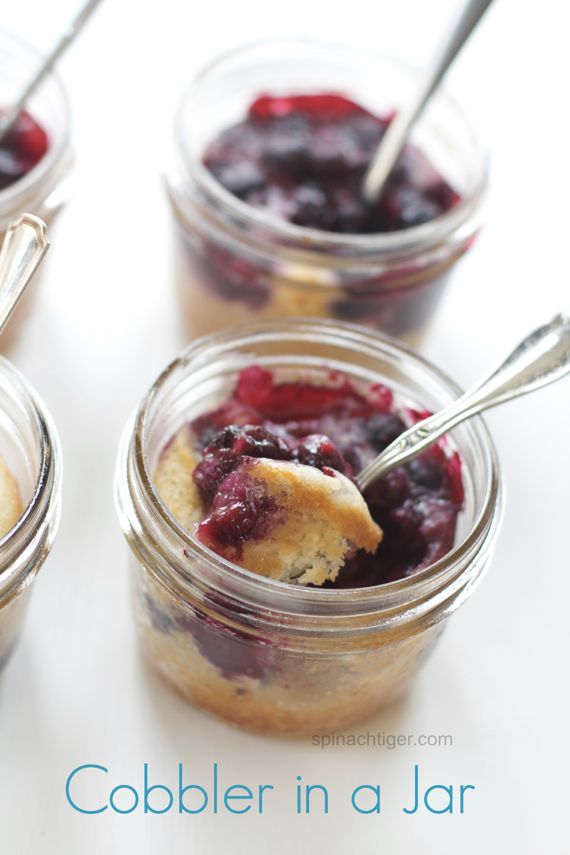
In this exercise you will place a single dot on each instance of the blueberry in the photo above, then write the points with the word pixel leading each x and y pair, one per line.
pixel 211 471
pixel 309 207
pixel 318 451
pixel 234 278
pixel 365 132
pixel 327 153
pixel 390 491
pixel 412 208
pixel 160 620
pixel 408 519
pixel 349 212
pixel 426 472
pixel 226 449
pixel 236 654
pixel 384 428
pixel 250 440
pixel 240 512
pixel 240 178
pixel 287 153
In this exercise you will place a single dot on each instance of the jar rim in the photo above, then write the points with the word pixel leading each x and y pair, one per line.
pixel 10 196
pixel 395 243
pixel 24 531
pixel 261 590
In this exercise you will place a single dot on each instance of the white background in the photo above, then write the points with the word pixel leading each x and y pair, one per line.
pixel 75 691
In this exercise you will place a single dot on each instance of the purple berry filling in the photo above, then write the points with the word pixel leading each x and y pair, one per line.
pixel 240 511
pixel 303 157
pixel 235 653
pixel 331 428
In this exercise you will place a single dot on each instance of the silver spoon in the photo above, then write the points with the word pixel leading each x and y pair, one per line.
pixel 8 117
pixel 542 358
pixel 399 128
pixel 25 244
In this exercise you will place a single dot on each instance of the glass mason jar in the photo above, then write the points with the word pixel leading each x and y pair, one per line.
pixel 267 655
pixel 43 190
pixel 29 446
pixel 237 263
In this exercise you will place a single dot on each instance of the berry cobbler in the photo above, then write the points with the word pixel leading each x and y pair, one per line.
pixel 267 589
pixel 265 481
pixel 280 227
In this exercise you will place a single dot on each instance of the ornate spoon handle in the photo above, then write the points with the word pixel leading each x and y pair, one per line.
pixel 25 244
pixel 542 358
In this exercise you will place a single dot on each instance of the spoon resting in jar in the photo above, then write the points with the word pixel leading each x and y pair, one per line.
pixel 541 358
pixel 295 522
pixel 25 244
pixel 9 117
pixel 394 139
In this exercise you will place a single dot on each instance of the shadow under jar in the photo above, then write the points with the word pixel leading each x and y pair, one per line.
pixel 239 262
pixel 29 446
pixel 35 158
pixel 267 655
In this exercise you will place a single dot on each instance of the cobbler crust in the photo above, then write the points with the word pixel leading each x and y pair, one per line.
pixel 325 517
pixel 174 482
pixel 308 693
pixel 12 611
pixel 322 517
pixel 10 501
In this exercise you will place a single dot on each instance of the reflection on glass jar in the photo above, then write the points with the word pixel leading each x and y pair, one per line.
pixel 30 453
pixel 241 262
pixel 268 655
pixel 35 157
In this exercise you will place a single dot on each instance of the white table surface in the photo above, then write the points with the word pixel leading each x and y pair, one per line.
pixel 76 691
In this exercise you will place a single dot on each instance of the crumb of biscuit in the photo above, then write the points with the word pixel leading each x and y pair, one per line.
pixel 174 482
pixel 317 519
pixel 10 501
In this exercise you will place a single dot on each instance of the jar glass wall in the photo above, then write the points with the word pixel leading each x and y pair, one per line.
pixel 29 447
pixel 238 263
pixel 263 654
pixel 43 190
